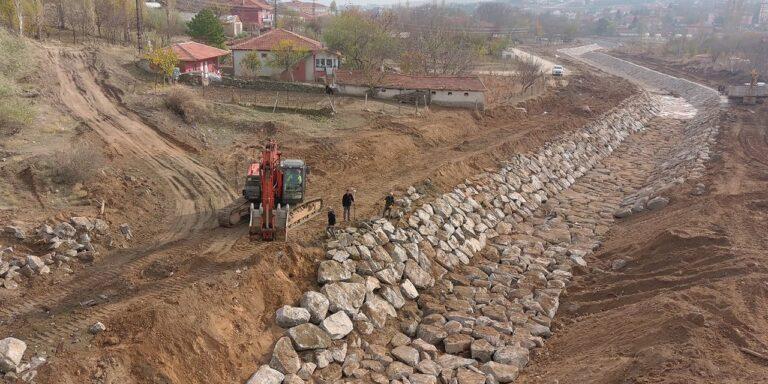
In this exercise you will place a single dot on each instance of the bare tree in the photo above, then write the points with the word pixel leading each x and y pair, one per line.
pixel 528 71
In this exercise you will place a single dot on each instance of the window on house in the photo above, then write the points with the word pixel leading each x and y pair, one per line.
pixel 434 93
pixel 382 90
pixel 450 93
pixel 466 93
pixel 318 63
pixel 263 55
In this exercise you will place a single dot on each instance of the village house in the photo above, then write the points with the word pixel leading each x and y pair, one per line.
pixel 320 63
pixel 255 15
pixel 306 10
pixel 196 57
pixel 450 91
pixel 232 25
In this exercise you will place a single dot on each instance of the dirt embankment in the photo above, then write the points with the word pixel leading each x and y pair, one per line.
pixel 201 309
pixel 689 305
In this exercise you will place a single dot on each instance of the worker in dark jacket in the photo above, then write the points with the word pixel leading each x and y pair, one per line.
pixel 389 201
pixel 346 201
pixel 331 229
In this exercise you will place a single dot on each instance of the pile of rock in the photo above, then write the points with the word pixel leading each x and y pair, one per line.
pixel 460 317
pixel 63 243
pixel 11 365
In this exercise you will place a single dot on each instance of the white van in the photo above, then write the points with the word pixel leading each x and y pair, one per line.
pixel 558 70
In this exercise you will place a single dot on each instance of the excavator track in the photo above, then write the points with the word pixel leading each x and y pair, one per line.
pixel 234 213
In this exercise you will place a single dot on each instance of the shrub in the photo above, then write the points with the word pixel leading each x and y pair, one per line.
pixel 185 103
pixel 76 165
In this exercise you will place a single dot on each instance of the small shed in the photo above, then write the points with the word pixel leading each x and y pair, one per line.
pixel 233 27
pixel 451 91
pixel 196 57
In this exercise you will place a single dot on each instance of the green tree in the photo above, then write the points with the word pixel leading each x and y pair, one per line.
pixel 205 26
pixel 364 42
pixel 165 59
pixel 286 55
pixel 252 61
pixel 333 8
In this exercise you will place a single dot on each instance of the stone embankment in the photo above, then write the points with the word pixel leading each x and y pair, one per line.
pixel 451 318
pixel 688 160
pixel 462 288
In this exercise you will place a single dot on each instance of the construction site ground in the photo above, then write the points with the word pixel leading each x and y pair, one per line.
pixel 688 305
pixel 184 300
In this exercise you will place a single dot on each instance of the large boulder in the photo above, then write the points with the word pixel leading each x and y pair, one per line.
pixel 81 223
pixel 337 325
pixel 284 357
pixel 503 373
pixel 377 310
pixel 331 271
pixel 406 354
pixel 309 336
pixel 419 277
pixel 512 355
pixel 448 361
pixel 11 352
pixel 288 316
pixel 266 375
pixel 317 305
pixel 347 297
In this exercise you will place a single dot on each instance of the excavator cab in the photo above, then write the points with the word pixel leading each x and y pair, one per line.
pixel 294 181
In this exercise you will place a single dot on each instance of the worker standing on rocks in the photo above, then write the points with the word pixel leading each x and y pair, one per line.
pixel 389 201
pixel 331 229
pixel 347 201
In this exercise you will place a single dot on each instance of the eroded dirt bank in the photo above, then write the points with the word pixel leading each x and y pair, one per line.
pixel 676 295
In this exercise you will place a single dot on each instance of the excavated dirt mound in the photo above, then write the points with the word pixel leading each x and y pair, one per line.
pixel 689 305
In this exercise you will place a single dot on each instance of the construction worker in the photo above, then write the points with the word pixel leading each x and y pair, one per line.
pixel 346 201
pixel 331 229
pixel 389 201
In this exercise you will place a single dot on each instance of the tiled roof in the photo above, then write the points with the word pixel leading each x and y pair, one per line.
pixel 396 80
pixel 193 51
pixel 269 41
pixel 249 4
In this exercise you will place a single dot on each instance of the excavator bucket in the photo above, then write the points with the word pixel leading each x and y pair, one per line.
pixel 284 218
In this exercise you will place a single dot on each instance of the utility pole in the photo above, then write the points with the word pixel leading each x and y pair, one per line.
pixel 139 38
pixel 168 21
pixel 274 16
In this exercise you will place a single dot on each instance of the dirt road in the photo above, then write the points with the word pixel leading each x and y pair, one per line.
pixel 689 304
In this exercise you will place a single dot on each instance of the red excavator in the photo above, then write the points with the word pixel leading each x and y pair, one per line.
pixel 273 197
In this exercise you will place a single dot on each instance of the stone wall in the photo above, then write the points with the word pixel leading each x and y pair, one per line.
pixel 375 278
pixel 463 287
pixel 687 161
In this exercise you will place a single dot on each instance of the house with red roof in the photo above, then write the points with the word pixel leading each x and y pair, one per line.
pixel 451 91
pixel 194 56
pixel 319 63
pixel 306 10
pixel 255 15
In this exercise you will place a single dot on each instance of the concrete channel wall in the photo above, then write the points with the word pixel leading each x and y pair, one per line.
pixel 464 286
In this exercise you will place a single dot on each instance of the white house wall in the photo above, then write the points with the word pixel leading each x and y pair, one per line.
pixel 242 71
pixel 466 99
pixel 463 99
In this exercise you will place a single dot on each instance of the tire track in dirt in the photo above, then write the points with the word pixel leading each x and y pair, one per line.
pixel 196 191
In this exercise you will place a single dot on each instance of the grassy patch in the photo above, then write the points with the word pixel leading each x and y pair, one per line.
pixel 15 112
